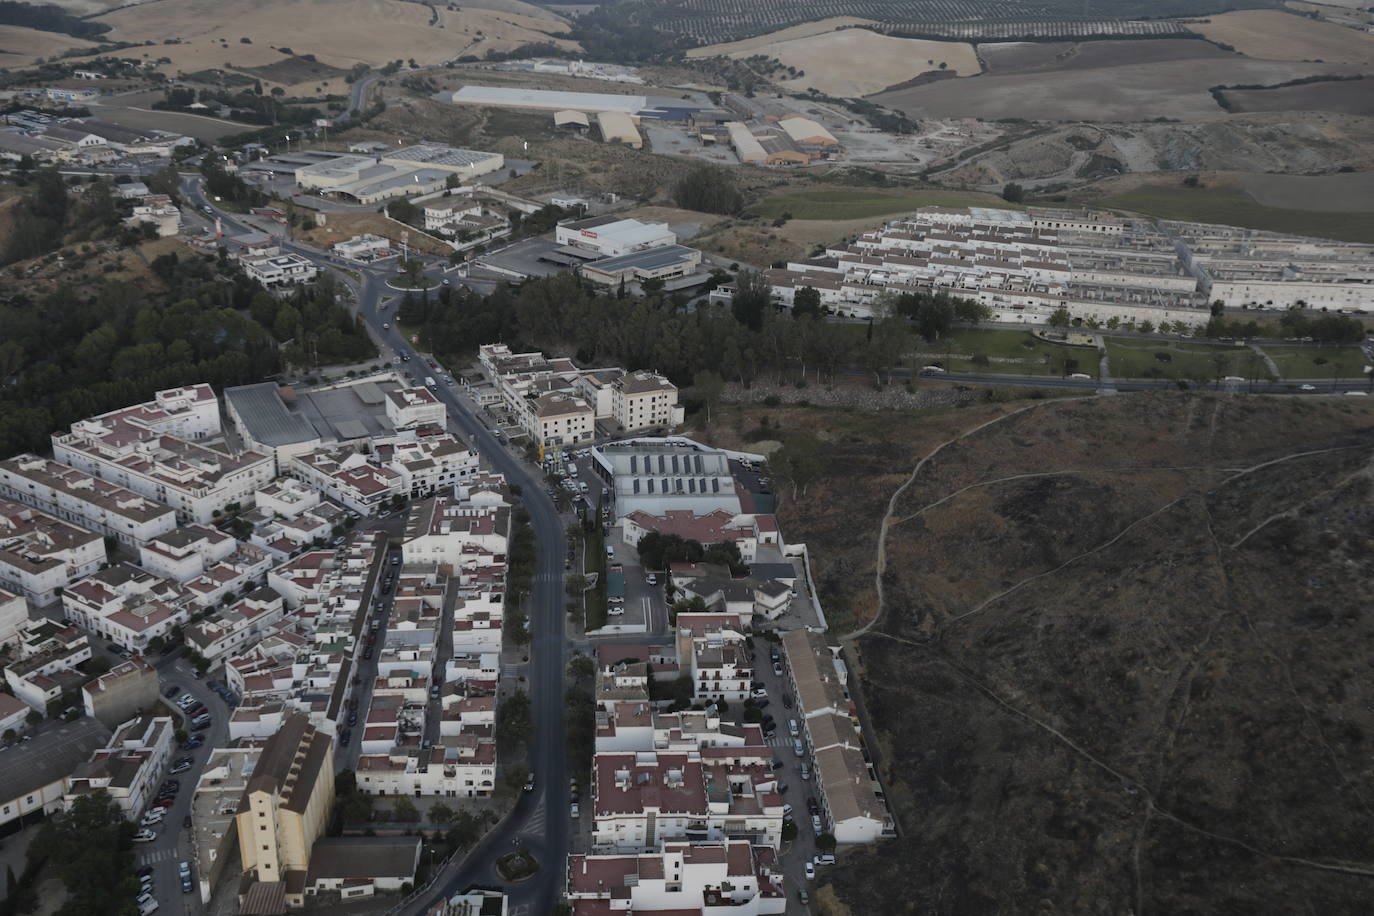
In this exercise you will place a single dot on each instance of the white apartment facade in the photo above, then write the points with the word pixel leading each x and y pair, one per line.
pixel 40 555
pixel 83 499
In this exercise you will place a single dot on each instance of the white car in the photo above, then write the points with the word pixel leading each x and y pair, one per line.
pixel 154 816
pixel 816 825
pixel 1307 387
pixel 615 610
pixel 810 871
pixel 651 579
pixel 145 836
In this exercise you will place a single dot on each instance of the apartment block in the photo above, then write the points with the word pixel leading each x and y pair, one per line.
pixel 229 630
pixel 129 767
pixel 429 465
pixel 14 613
pixel 714 646
pixel 50 672
pixel 40 555
pixel 643 400
pixel 680 880
pixel 156 449
pixel 128 606
pixel 348 477
pixel 83 499
pixel 644 799
pixel 184 553
pixel 852 803
pixel 123 692
pixel 408 408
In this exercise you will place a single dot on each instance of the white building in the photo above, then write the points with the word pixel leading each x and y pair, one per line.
pixel 852 807
pixel 364 248
pixel 153 449
pixel 407 408
pixel 184 553
pixel 445 532
pixel 51 673
pixel 350 478
pixel 659 477
pixel 128 606
pixel 643 799
pixel 709 879
pixel 88 501
pixel 14 611
pixel 128 767
pixel 279 269
pixel 41 555
pixel 229 630
pixel 643 400
pixel 611 236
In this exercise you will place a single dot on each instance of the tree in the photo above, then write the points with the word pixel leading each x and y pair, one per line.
pixel 1013 193
pixel 581 668
pixel 798 462
pixel 440 814
pixel 710 189
pixel 10 736
pixel 1060 318
pixel 405 810
pixel 181 736
pixel 806 301
pixel 356 808
pixel 753 295
pixel 513 722
pixel 34 717
pixel 970 311
pixel 464 832
pixel 89 846
pixel 708 386
pixel 825 842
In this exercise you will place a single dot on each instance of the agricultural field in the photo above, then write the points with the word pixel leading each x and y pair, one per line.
pixel 1126 91
pixel 860 203
pixel 719 21
pixel 1038 56
pixel 1141 616
pixel 1354 97
pixel 339 33
pixel 758 43
pixel 1234 207
pixel 856 62
pixel 1317 362
pixel 20 46
pixel 1349 192
pixel 1276 35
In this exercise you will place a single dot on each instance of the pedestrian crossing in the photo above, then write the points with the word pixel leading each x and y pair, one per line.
pixel 535 823
pixel 161 855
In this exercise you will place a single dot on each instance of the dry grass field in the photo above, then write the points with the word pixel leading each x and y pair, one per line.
pixel 1275 35
pixel 20 46
pixel 1353 97
pixel 1119 667
pixel 1035 56
pixel 1129 92
pixel 858 62
pixel 755 45
pixel 93 7
pixel 1350 192
pixel 338 32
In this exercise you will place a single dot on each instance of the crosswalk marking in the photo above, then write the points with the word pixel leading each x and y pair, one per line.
pixel 159 856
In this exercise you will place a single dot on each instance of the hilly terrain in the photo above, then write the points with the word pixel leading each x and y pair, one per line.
pixel 1120 663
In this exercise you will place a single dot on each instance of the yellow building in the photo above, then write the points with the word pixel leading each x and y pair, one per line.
pixel 283 810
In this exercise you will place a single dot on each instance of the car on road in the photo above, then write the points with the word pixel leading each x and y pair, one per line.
pixel 574 811
pixel 825 859
pixel 145 836
pixel 171 691
pixel 777 669
pixel 798 748
pixel 805 771
pixel 816 824
pixel 651 579
pixel 803 896
pixel 529 784
pixel 195 742
pixel 810 871
pixel 1307 387
pixel 180 767
pixel 146 870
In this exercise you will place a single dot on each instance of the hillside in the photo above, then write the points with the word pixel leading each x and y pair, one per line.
pixel 1120 664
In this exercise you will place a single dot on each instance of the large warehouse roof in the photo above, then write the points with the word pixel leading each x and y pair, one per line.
pixel 746 144
pixel 617 126
pixel 547 99
pixel 805 130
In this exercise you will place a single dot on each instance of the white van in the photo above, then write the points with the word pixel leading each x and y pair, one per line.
pixel 792 728
pixel 1079 375
pixel 932 370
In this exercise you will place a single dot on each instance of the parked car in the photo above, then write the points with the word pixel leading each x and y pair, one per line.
pixel 825 859
pixel 145 836
pixel 787 700
pixel 805 771
pixel 777 669
pixel 180 767
pixel 816 824
pixel 195 742
pixel 171 691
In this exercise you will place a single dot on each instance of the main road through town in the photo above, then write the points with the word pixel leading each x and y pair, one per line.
pixel 539 820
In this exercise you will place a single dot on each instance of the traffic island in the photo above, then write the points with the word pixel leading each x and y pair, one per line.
pixel 517 866
pixel 411 284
